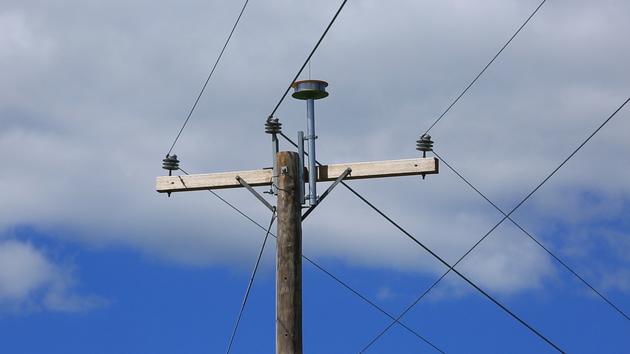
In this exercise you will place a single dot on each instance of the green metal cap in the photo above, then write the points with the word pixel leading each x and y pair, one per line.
pixel 310 89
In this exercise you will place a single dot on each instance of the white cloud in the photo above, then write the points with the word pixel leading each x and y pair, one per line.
pixel 508 263
pixel 31 281
pixel 385 293
pixel 616 280
pixel 97 93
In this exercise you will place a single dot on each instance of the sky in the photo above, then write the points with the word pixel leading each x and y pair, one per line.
pixel 92 94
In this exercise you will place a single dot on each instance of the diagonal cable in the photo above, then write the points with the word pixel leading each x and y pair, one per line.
pixel 500 222
pixel 251 282
pixel 205 84
pixel 321 268
pixel 370 302
pixel 450 268
pixel 564 264
pixel 485 67
pixel 308 58
pixel 496 302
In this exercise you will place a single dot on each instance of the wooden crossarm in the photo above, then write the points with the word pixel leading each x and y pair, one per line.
pixel 360 170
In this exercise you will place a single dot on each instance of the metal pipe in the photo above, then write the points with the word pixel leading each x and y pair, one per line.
pixel 312 164
pixel 301 167
pixel 274 176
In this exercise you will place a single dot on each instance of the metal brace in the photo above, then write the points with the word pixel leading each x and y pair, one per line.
pixel 256 194
pixel 330 188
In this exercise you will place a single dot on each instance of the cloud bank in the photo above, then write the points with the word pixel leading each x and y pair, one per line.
pixel 30 281
pixel 93 93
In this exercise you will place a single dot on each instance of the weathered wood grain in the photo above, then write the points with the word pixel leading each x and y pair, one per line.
pixel 360 170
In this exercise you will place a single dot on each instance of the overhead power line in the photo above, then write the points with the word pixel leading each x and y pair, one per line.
pixel 496 302
pixel 380 309
pixel 308 58
pixel 501 221
pixel 251 282
pixel 450 268
pixel 409 235
pixel 564 264
pixel 205 84
pixel 485 67
pixel 330 274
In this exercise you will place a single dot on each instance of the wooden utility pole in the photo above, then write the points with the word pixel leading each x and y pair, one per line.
pixel 289 209
pixel 289 257
pixel 287 178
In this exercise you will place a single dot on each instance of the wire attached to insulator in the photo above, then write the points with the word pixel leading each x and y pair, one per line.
pixel 424 144
pixel 273 126
pixel 170 163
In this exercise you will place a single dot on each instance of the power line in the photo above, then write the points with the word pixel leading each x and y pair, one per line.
pixel 376 209
pixel 249 285
pixel 565 265
pixel 308 59
pixel 203 88
pixel 402 314
pixel 440 117
pixel 484 293
pixel 399 227
pixel 485 67
pixel 344 284
pixel 233 206
pixel 321 268
pixel 499 223
pixel 540 335
pixel 503 307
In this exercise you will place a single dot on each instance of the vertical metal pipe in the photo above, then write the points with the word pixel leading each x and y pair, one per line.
pixel 301 167
pixel 274 152
pixel 312 166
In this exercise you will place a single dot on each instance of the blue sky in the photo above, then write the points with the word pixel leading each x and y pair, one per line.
pixel 92 259
pixel 154 307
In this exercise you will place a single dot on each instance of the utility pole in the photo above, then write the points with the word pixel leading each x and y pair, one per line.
pixel 289 257
pixel 286 178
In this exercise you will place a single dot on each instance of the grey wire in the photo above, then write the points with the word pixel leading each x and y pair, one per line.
pixel 450 268
pixel 250 283
pixel 203 88
pixel 308 58
pixel 496 302
pixel 344 284
pixel 321 268
pixel 564 264
pixel 506 216
pixel 485 68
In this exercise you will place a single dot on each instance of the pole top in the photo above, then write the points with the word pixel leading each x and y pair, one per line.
pixel 310 89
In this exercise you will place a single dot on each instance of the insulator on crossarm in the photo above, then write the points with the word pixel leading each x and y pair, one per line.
pixel 170 163
pixel 273 126
pixel 424 144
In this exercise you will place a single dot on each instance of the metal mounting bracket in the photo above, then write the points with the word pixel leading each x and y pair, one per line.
pixel 301 165
pixel 256 194
pixel 330 188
